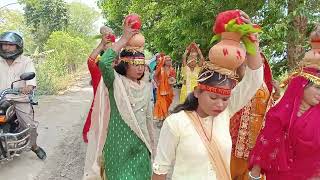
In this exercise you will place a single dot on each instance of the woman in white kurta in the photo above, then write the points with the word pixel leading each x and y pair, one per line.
pixel 195 139
pixel 180 142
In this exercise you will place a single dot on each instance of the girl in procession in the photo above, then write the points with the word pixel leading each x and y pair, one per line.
pixel 288 148
pixel 93 61
pixel 127 133
pixel 192 61
pixel 165 77
pixel 196 136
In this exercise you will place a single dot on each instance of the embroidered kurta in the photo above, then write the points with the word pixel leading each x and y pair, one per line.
pixel 180 141
pixel 245 127
pixel 127 150
pixel 246 124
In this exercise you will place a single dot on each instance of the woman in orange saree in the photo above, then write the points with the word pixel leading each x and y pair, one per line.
pixel 165 76
pixel 246 124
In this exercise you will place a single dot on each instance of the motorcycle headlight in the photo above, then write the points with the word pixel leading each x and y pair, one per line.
pixel 2 119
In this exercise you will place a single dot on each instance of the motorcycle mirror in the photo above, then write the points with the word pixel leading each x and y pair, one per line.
pixel 27 76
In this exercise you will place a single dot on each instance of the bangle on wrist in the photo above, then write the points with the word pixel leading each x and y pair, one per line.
pixel 255 178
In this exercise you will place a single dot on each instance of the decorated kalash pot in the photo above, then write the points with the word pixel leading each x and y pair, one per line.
pixel 309 67
pixel 107 34
pixel 312 57
pixel 137 41
pixel 230 29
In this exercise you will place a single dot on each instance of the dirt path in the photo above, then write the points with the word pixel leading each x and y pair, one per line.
pixel 61 119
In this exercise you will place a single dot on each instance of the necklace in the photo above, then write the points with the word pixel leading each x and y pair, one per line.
pixel 204 130
pixel 302 109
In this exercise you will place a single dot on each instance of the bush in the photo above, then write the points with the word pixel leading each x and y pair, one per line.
pixel 56 71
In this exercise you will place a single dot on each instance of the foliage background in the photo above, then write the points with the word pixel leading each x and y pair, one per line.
pixel 169 26
pixel 58 37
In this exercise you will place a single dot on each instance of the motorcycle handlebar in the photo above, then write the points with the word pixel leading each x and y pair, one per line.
pixel 5 92
pixel 16 91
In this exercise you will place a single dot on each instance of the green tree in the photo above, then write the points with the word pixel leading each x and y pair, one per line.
pixel 170 25
pixel 69 52
pixel 11 20
pixel 82 18
pixel 114 11
pixel 286 26
pixel 66 55
pixel 300 13
pixel 44 17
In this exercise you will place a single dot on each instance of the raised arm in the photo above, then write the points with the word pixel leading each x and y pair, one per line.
pixel 95 52
pixel 110 55
pixel 253 61
pixel 184 58
pixel 251 81
pixel 201 62
pixel 245 90
pixel 105 65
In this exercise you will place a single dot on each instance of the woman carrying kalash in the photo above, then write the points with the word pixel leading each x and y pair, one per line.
pixel 192 61
pixel 288 148
pixel 128 145
pixel 107 39
pixel 196 136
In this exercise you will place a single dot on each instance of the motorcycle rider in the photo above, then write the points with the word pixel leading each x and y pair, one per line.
pixel 12 65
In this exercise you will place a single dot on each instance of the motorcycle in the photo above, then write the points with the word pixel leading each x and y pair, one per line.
pixel 13 140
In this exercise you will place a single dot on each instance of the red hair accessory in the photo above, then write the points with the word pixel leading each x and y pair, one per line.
pixel 221 91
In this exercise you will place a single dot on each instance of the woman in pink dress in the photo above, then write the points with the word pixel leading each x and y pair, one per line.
pixel 288 148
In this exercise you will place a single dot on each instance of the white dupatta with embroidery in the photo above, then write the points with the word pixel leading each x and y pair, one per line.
pixel 136 107
pixel 97 134
pixel 130 106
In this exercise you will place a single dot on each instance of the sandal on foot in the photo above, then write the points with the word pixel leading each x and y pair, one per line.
pixel 40 153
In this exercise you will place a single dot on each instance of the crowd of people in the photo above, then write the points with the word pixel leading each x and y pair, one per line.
pixel 232 121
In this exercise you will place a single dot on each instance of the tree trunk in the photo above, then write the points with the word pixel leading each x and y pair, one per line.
pixel 296 36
